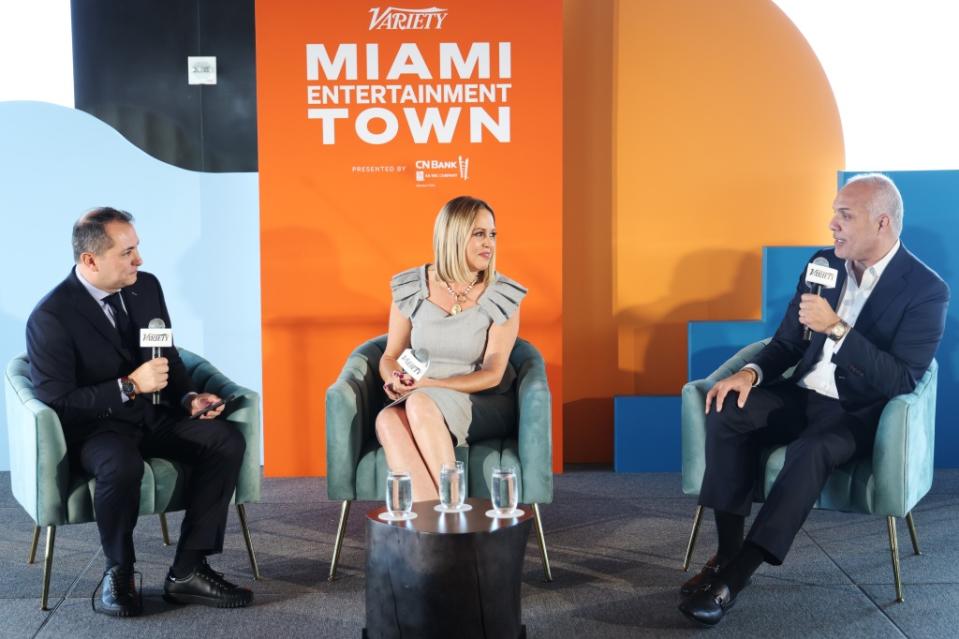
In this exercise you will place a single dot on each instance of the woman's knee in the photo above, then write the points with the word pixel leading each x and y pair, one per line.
pixel 389 426
pixel 421 411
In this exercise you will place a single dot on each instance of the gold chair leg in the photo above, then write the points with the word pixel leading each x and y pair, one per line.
pixel 541 539
pixel 913 534
pixel 894 550
pixel 693 534
pixel 164 530
pixel 241 513
pixel 33 546
pixel 340 532
pixel 47 566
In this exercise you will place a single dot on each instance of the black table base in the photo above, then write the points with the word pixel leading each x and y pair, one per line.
pixel 463 581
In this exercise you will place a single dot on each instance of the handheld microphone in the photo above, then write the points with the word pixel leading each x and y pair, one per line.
pixel 415 362
pixel 155 337
pixel 819 275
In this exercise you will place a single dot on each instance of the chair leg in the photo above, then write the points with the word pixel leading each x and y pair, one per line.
pixel 47 567
pixel 33 546
pixel 894 550
pixel 340 532
pixel 164 530
pixel 913 534
pixel 541 538
pixel 241 513
pixel 693 534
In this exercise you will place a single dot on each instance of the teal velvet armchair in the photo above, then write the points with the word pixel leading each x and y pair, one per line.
pixel 356 464
pixel 889 483
pixel 54 495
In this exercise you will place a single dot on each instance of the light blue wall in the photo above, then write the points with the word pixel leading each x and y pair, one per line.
pixel 199 232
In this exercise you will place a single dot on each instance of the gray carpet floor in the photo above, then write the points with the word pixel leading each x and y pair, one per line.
pixel 615 540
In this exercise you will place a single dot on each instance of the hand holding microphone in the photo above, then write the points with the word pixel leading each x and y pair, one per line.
pixel 414 364
pixel 155 370
pixel 814 311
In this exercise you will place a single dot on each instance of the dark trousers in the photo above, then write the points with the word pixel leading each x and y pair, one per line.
pixel 211 450
pixel 818 434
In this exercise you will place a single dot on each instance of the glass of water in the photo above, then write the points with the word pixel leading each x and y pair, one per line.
pixel 399 496
pixel 503 489
pixel 452 488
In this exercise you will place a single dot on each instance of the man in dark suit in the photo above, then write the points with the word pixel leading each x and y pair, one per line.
pixel 873 337
pixel 86 363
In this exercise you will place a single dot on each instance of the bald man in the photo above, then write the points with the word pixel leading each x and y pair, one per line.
pixel 873 337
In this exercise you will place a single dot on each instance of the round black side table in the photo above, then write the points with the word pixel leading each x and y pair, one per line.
pixel 445 575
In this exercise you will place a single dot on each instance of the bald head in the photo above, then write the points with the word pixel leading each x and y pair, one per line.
pixel 882 197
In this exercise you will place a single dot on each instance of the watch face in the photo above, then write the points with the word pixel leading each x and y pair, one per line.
pixel 128 388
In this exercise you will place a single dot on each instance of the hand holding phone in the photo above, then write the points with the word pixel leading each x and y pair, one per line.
pixel 213 406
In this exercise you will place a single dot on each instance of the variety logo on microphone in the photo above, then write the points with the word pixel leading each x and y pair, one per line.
pixel 156 337
pixel 414 362
pixel 821 274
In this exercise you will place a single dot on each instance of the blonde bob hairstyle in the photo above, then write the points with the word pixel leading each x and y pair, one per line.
pixel 451 234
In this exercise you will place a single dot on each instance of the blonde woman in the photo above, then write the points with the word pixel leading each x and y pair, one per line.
pixel 466 315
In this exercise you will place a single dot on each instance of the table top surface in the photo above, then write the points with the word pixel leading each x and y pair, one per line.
pixel 472 521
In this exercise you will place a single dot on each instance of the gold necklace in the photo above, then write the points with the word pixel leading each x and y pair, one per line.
pixel 459 298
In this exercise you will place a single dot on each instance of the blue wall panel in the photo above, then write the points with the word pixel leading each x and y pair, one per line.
pixel 199 232
pixel 646 434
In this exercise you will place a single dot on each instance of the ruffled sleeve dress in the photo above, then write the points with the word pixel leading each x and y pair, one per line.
pixel 456 344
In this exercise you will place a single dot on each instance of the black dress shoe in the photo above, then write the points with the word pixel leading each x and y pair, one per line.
pixel 118 596
pixel 699 580
pixel 708 604
pixel 206 587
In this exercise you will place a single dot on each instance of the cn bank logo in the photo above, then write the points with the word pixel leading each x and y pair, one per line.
pixel 396 19
pixel 443 169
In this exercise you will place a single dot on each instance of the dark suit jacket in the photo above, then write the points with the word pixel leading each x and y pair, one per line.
pixel 76 357
pixel 889 348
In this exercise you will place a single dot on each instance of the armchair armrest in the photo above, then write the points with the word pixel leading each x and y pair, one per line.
pixel 693 426
pixel 39 469
pixel 244 413
pixel 352 403
pixel 903 454
pixel 535 433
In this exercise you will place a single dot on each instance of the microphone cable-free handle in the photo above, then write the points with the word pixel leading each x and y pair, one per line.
pixel 807 332
pixel 155 353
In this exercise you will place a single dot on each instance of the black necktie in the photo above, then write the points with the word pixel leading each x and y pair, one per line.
pixel 124 327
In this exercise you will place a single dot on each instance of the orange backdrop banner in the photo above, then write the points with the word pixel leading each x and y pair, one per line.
pixel 370 118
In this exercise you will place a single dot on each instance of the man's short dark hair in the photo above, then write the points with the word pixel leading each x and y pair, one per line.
pixel 90 233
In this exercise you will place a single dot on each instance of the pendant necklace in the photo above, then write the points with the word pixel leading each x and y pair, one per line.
pixel 459 298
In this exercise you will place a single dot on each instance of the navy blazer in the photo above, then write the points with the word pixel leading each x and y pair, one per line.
pixel 76 357
pixel 888 349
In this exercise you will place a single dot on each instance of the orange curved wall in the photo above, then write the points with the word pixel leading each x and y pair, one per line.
pixel 715 133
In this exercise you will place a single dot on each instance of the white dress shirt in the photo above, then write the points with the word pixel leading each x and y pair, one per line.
pixel 821 378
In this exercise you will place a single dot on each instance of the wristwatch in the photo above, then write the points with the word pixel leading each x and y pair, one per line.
pixel 838 331
pixel 128 386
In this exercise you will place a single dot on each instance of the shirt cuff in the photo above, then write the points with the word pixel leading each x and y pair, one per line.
pixel 123 396
pixel 759 373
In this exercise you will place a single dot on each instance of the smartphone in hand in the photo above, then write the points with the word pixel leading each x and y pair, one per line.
pixel 214 406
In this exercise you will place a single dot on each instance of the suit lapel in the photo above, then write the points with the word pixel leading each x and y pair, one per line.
pixel 891 284
pixel 136 312
pixel 93 312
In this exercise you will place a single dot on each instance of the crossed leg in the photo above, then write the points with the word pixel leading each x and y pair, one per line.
pixel 415 438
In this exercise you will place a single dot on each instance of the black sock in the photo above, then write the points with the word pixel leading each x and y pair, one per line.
pixel 741 567
pixel 729 528
pixel 186 561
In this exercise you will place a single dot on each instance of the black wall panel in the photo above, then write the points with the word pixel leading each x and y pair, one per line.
pixel 130 70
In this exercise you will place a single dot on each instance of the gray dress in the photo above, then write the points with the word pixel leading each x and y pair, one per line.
pixel 456 344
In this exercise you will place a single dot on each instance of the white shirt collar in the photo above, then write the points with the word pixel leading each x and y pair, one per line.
pixel 97 293
pixel 875 271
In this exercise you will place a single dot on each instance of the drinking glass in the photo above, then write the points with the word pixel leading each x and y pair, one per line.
pixel 504 494
pixel 452 488
pixel 399 496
